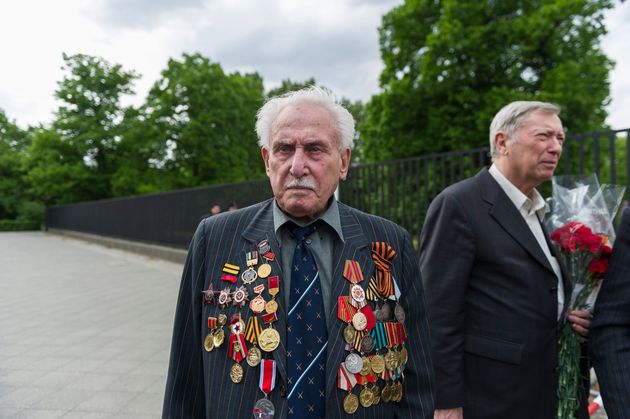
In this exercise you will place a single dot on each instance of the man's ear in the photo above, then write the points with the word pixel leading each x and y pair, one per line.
pixel 345 163
pixel 500 143
pixel 265 156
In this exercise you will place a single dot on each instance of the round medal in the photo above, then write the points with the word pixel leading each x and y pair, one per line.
pixel 404 356
pixel 376 392
pixel 350 403
pixel 390 360
pixel 386 394
pixel 397 396
pixel 271 306
pixel 254 356
pixel 224 298
pixel 399 313
pixel 222 319
pixel 208 342
pixel 353 363
pixel 264 409
pixel 239 296
pixel 264 271
pixel 366 397
pixel 378 315
pixel 236 373
pixel 219 336
pixel 249 275
pixel 359 321
pixel 367 343
pixel 269 339
pixel 378 364
pixel 349 333
pixel 386 312
pixel 358 294
pixel 257 305
pixel 366 366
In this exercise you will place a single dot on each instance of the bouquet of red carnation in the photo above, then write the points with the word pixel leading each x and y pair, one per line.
pixel 581 225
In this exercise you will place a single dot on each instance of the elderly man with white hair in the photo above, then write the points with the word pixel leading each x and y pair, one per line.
pixel 301 306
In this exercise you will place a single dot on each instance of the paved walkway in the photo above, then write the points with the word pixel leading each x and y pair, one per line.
pixel 84 330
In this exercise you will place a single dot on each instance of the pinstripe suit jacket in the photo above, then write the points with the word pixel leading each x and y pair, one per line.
pixel 610 332
pixel 198 383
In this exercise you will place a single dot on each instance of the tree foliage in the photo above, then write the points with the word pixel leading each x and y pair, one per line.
pixel 13 142
pixel 451 65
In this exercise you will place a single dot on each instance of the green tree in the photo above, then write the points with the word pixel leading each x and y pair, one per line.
pixel 87 131
pixel 450 65
pixel 289 85
pixel 201 124
pixel 13 142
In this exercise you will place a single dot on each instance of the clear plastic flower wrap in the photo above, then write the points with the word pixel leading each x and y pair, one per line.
pixel 580 222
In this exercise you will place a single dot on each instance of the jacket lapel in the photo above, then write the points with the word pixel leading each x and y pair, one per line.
pixel 354 247
pixel 507 215
pixel 261 228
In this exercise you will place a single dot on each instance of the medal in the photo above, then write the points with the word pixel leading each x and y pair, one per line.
pixel 378 364
pixel 271 306
pixel 386 312
pixel 404 356
pixel 386 394
pixel 208 342
pixel 264 409
pixel 357 293
pixel 219 335
pixel 273 288
pixel 269 339
pixel 353 363
pixel 390 360
pixel 249 275
pixel 350 403
pixel 224 298
pixel 399 313
pixel 254 356
pixel 345 379
pixel 366 397
pixel 376 394
pixel 264 270
pixel 359 321
pixel 349 334
pixel 366 366
pixel 208 295
pixel 263 247
pixel 240 297
pixel 367 343
pixel 236 373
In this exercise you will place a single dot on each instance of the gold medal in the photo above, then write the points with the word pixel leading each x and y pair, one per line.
pixel 254 356
pixel 249 275
pixel 366 367
pixel 271 306
pixel 366 397
pixel 236 373
pixel 399 392
pixel 208 342
pixel 376 393
pixel 378 364
pixel 359 321
pixel 386 394
pixel 264 270
pixel 257 305
pixel 269 339
pixel 219 336
pixel 390 360
pixel 349 334
pixel 350 403
pixel 404 356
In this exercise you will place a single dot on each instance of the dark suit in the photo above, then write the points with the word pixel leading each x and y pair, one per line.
pixel 492 303
pixel 610 333
pixel 198 383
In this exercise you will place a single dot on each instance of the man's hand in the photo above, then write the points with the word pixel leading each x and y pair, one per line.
pixel 580 321
pixel 457 413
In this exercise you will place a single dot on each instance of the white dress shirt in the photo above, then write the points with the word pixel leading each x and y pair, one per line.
pixel 533 210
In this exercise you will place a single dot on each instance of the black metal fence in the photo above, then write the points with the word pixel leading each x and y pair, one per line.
pixel 400 190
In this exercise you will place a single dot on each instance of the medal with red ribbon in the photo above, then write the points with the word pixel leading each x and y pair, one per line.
pixel 267 380
pixel 237 349
pixel 345 310
pixel 345 379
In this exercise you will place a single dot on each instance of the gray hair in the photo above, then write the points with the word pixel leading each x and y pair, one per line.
pixel 267 115
pixel 512 116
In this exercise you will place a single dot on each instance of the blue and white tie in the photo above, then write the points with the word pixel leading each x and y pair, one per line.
pixel 307 337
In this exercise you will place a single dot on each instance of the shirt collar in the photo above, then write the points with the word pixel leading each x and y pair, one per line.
pixel 330 217
pixel 534 204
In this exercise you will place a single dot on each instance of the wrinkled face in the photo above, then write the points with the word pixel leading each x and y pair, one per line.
pixel 303 161
pixel 531 157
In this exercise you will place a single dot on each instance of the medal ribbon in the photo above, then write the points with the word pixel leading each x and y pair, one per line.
pixel 242 352
pixel 345 311
pixel 401 333
pixel 267 380
pixel 369 316
pixel 274 285
pixel 352 271
pixel 252 330
pixel 229 278
pixel 258 289
pixel 345 380
pixel 358 337
pixel 390 334
pixel 212 323
pixel 371 293
pixel 269 256
pixel 251 258
pixel 383 254
pixel 231 269
pixel 270 318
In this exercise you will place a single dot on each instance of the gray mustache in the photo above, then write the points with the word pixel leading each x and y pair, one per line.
pixel 301 183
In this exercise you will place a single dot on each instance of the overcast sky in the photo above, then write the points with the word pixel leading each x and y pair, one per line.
pixel 334 41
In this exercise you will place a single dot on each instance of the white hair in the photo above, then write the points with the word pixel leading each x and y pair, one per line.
pixel 512 116
pixel 267 115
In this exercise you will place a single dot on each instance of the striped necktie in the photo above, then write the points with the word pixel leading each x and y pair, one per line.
pixel 307 337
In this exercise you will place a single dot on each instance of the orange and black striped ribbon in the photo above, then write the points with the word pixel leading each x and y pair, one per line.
pixel 383 254
pixel 252 330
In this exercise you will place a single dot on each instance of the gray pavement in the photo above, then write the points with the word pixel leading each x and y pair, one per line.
pixel 84 330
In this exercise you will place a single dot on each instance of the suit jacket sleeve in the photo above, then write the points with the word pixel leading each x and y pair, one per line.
pixel 419 376
pixel 610 332
pixel 447 253
pixel 184 396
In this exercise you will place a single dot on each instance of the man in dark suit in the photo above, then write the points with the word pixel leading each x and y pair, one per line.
pixel 301 306
pixel 495 290
pixel 610 335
